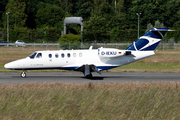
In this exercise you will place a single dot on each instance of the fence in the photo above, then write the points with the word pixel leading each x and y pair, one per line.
pixel 46 46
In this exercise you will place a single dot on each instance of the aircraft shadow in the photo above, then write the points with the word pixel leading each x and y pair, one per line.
pixel 94 78
pixel 58 77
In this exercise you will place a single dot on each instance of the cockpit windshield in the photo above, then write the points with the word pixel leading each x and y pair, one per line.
pixel 33 55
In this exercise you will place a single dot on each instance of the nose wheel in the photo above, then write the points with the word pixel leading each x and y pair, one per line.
pixel 23 74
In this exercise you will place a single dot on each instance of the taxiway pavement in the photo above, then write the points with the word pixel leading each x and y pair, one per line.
pixel 77 77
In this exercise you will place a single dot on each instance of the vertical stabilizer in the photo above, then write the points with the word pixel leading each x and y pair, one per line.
pixel 149 40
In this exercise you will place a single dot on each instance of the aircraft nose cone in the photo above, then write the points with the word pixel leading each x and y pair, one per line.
pixel 14 64
pixel 7 66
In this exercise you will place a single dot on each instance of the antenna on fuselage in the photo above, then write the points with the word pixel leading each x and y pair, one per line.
pixel 90 48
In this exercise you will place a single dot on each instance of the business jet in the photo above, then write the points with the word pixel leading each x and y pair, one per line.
pixel 91 60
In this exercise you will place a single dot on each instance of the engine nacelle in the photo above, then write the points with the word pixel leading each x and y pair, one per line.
pixel 110 52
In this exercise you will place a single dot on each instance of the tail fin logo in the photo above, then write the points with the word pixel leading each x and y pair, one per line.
pixel 149 40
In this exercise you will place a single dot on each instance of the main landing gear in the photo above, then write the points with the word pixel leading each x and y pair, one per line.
pixel 23 74
pixel 89 76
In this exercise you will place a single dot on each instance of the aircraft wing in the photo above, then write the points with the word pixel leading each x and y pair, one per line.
pixel 87 69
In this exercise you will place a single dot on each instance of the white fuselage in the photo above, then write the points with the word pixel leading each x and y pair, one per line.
pixel 102 58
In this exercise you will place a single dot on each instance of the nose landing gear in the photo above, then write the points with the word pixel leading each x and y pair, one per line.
pixel 23 74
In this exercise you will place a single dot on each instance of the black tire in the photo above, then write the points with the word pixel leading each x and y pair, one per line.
pixel 23 74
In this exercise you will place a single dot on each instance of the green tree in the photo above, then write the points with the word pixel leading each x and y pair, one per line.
pixel 103 8
pixel 176 25
pixel 96 29
pixel 3 4
pixel 149 26
pixel 70 41
pixel 119 9
pixel 171 13
pixel 157 24
pixel 49 15
pixel 66 5
pixel 31 10
pixel 166 11
pixel 83 8
pixel 17 14
pixel 149 11
pixel 115 32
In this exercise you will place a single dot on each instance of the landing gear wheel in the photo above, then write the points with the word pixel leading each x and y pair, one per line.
pixel 89 76
pixel 23 74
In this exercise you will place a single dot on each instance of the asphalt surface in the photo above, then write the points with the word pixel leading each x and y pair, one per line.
pixel 77 77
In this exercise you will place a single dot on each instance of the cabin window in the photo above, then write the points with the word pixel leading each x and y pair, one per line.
pixel 56 55
pixel 50 55
pixel 69 55
pixel 62 55
pixel 74 54
pixel 39 55
pixel 80 54
pixel 33 55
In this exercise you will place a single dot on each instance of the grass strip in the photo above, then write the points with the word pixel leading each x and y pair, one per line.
pixel 90 101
